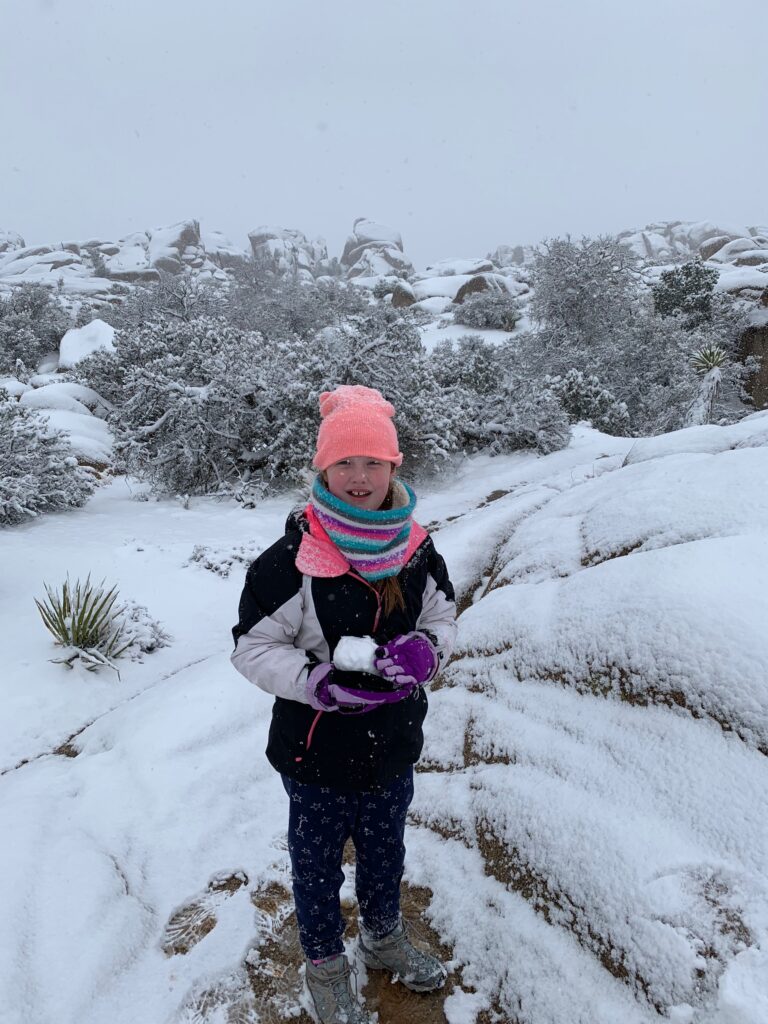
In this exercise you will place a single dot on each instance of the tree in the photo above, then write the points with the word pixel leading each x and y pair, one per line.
pixel 583 397
pixel 496 310
pixel 38 472
pixel 686 291
pixel 32 323
pixel 583 290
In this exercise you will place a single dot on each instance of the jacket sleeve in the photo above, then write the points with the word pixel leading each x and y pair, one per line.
pixel 270 615
pixel 438 609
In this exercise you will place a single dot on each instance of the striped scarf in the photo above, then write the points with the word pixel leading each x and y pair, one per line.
pixel 374 542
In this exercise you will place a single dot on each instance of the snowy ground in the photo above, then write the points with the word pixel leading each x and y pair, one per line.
pixel 592 815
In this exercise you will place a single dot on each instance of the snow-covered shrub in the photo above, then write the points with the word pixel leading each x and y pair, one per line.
pixel 490 309
pixel 83 620
pixel 583 397
pixel 525 416
pixel 38 473
pixel 179 389
pixel 141 633
pixel 175 296
pixel 686 291
pixel 276 307
pixel 494 406
pixel 468 374
pixel 31 324
pixel 222 560
pixel 382 349
pixel 583 290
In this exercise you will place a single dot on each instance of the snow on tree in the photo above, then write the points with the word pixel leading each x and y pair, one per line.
pixel 583 290
pixel 31 325
pixel 38 473
pixel 583 397
pixel 490 309
pixel 687 291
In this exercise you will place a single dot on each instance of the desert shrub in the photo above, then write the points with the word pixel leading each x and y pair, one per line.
pixel 38 472
pixel 32 323
pixel 686 291
pixel 172 297
pixel 489 309
pixel 584 397
pixel 583 290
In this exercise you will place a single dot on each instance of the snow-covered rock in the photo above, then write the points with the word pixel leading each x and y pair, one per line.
pixel 374 250
pixel 289 250
pixel 89 437
pixel 219 249
pixel 90 267
pixel 52 396
pixel 15 388
pixel 80 342
pixel 459 266
pixel 10 240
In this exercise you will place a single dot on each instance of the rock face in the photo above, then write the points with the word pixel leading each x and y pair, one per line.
pixel 754 342
pixel 90 268
pixel 402 295
pixel 10 240
pixel 676 240
pixel 374 250
pixel 291 252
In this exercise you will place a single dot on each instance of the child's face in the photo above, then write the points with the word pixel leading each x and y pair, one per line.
pixel 360 481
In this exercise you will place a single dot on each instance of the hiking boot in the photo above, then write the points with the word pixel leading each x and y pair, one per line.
pixel 417 970
pixel 329 986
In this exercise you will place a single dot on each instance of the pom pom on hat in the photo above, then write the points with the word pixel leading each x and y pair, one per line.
pixel 356 421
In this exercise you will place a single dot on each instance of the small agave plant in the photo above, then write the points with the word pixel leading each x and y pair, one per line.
pixel 82 619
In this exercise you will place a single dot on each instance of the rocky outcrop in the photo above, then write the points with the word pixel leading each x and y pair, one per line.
pixel 402 295
pixel 679 240
pixel 91 268
pixel 10 240
pixel 290 252
pixel 754 342
pixel 374 250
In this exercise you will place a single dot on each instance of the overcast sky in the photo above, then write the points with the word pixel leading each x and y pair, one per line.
pixel 464 126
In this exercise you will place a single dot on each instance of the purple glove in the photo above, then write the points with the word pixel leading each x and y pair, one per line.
pixel 324 693
pixel 408 660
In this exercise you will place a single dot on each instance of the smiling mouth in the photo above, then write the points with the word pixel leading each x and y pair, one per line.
pixel 359 494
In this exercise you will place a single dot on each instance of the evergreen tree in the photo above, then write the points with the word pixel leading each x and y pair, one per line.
pixel 32 323
pixel 686 291
pixel 38 472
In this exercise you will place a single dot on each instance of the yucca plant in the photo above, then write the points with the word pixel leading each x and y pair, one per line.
pixel 83 619
pixel 710 357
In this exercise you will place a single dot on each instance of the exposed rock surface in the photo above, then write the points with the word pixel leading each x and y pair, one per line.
pixel 754 342
pixel 91 268
pixel 374 250
pixel 675 240
pixel 290 251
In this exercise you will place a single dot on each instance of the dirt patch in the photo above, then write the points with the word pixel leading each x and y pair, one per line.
pixel 66 750
pixel 493 496
pixel 277 980
pixel 195 919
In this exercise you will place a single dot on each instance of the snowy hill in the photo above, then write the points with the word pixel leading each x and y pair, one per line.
pixel 588 840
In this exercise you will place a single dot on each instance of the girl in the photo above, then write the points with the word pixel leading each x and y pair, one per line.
pixel 352 563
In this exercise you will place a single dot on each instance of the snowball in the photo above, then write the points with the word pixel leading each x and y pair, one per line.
pixel 355 654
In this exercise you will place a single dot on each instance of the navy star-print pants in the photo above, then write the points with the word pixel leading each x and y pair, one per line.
pixel 320 821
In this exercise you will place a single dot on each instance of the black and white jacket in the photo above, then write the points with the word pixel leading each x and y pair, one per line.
pixel 300 598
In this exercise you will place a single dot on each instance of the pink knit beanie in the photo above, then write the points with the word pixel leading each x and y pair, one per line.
pixel 356 421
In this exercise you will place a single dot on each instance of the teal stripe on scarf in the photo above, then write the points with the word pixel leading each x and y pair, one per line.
pixel 389 552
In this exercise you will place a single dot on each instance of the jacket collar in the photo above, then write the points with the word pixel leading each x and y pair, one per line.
pixel 319 556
